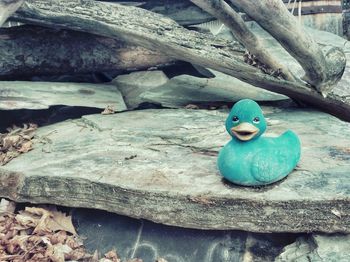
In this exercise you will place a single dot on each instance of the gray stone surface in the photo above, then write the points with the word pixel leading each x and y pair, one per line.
pixel 42 95
pixel 179 91
pixel 133 238
pixel 161 165
pixel 133 85
pixel 318 248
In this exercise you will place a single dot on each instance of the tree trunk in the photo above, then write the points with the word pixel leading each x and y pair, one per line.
pixel 323 68
pixel 153 31
pixel 32 50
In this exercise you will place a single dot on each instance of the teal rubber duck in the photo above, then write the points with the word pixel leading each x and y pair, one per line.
pixel 250 159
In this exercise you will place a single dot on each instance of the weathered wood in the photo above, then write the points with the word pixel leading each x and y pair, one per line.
pixel 7 8
pixel 221 10
pixel 160 165
pixel 156 32
pixel 33 50
pixel 323 68
pixel 186 13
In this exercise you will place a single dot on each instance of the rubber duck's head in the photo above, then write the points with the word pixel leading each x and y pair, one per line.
pixel 246 121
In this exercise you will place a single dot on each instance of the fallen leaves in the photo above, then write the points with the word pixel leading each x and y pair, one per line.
pixel 43 234
pixel 45 221
pixel 15 142
pixel 38 234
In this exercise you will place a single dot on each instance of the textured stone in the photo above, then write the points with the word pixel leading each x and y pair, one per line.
pixel 42 95
pixel 133 85
pixel 317 248
pixel 161 165
pixel 179 91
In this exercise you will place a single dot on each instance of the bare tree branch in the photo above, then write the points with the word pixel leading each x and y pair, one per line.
pixel 221 10
pixel 323 68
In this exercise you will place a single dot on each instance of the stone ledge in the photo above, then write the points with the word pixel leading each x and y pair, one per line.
pixel 161 165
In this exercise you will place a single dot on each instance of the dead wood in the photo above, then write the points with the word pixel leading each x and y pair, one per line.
pixel 153 31
pixel 323 67
pixel 221 10
pixel 32 50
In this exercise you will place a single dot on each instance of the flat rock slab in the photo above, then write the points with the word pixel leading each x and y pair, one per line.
pixel 42 95
pixel 161 165
pixel 179 91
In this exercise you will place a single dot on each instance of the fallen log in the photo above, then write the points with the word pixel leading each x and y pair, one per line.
pixel 153 31
pixel 32 50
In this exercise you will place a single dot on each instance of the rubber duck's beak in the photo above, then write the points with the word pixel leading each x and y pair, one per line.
pixel 245 131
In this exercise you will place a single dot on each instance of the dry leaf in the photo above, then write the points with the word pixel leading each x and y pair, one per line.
pixel 48 221
pixel 26 147
pixel 55 253
pixel 45 235
pixel 108 110
pixel 77 254
pixel 60 221
pixel 112 256
pixel 38 257
pixel 59 237
pixel 16 141
pixel 27 220
pixel 95 256
pixel 42 224
pixel 7 207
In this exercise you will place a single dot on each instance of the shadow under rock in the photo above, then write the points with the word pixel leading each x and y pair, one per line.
pixel 52 115
pixel 136 238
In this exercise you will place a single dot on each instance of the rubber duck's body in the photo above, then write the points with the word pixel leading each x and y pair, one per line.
pixel 249 159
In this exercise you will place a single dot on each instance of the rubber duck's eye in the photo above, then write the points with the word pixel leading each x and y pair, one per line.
pixel 235 119
pixel 256 120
